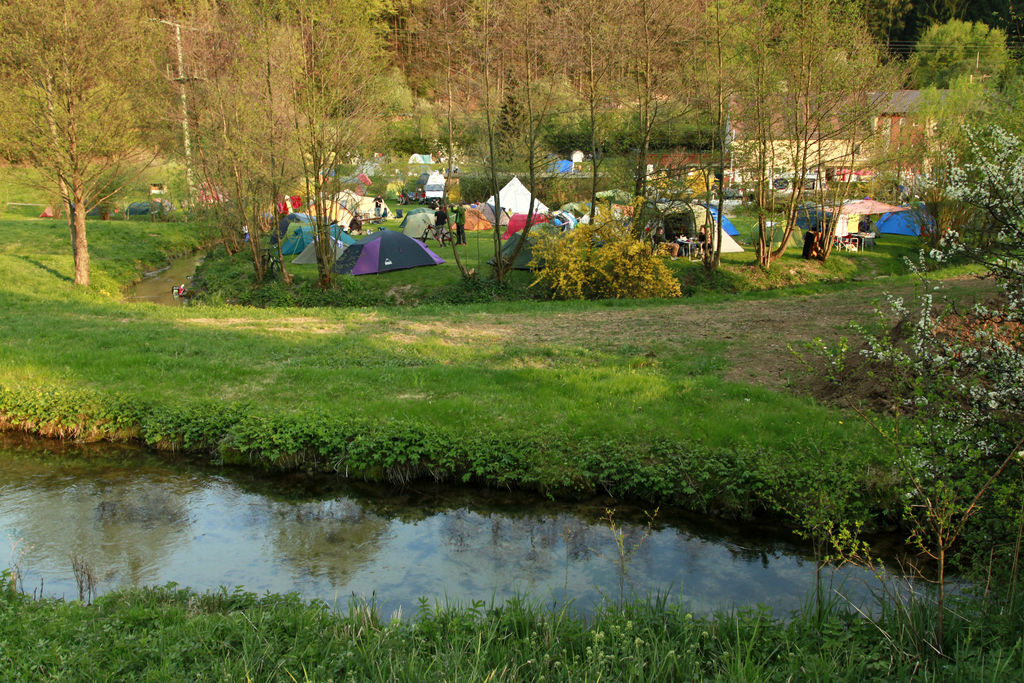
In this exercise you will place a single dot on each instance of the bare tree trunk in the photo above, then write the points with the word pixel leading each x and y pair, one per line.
pixel 274 188
pixel 531 141
pixel 715 259
pixel 65 194
pixel 80 244
pixel 488 41
pixel 447 28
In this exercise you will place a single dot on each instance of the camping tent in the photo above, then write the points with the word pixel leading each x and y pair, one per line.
pixel 563 220
pixel 413 212
pixel 295 230
pixel 359 205
pixel 296 239
pixel 334 212
pixel 420 159
pixel 142 208
pixel 850 213
pixel 727 226
pixel 416 224
pixel 516 198
pixel 475 220
pixel 308 255
pixel 518 222
pixel 488 213
pixel 615 196
pixel 560 167
pixel 526 254
pixel 383 251
pixel 577 208
pixel 522 261
pixel 729 245
pixel 905 222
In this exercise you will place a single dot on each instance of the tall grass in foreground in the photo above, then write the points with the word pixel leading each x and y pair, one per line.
pixel 173 634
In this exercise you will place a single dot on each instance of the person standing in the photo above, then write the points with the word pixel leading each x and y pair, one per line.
pixel 441 216
pixel 378 204
pixel 460 223
pixel 440 223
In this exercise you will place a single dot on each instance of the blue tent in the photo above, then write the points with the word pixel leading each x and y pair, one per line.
pixel 342 236
pixel 726 223
pixel 904 222
pixel 811 217
pixel 560 166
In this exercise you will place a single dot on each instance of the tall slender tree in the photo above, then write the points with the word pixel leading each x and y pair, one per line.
pixel 337 65
pixel 71 73
pixel 805 109
pixel 594 63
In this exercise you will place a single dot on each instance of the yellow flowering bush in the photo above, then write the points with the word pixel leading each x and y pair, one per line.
pixel 601 261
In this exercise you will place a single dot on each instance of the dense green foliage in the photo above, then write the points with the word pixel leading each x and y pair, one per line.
pixel 956 49
pixel 733 481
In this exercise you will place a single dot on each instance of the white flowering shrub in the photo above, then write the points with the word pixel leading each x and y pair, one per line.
pixel 990 176
pixel 957 377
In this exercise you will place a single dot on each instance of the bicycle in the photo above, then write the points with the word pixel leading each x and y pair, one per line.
pixel 441 233
pixel 271 261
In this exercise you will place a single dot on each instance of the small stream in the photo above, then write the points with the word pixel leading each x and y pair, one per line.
pixel 157 286
pixel 138 518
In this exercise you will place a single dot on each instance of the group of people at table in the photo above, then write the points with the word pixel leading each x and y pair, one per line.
pixel 679 242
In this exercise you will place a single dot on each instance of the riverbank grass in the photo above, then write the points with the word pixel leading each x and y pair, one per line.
pixel 174 634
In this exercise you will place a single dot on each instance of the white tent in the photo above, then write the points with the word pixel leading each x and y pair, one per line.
pixel 308 255
pixel 729 245
pixel 361 205
pixel 516 198
pixel 701 218
pixel 420 159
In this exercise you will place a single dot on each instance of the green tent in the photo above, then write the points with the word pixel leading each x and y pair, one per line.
pixel 414 212
pixel 578 209
pixel 416 224
pixel 522 261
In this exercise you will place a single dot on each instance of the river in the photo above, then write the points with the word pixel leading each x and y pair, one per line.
pixel 157 286
pixel 138 518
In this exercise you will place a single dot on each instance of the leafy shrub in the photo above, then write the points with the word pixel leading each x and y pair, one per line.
pixel 738 482
pixel 469 290
pixel 601 261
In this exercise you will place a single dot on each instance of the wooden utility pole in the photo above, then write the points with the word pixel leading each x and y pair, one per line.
pixel 181 79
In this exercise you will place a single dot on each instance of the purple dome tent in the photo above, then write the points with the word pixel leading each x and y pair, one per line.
pixel 383 251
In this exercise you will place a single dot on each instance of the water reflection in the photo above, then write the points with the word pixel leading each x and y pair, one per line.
pixel 139 520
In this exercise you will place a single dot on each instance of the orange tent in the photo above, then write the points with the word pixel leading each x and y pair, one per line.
pixel 475 220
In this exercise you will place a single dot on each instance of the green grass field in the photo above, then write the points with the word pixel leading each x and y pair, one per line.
pixel 480 366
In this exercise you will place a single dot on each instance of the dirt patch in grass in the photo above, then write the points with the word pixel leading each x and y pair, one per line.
pixel 762 342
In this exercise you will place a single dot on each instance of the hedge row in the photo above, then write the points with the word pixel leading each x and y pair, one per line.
pixel 739 482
